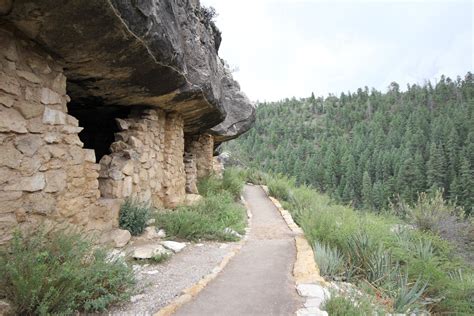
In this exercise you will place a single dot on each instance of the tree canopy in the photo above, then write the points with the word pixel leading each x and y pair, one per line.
pixel 368 147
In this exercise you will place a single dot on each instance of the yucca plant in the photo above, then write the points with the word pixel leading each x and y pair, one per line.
pixel 407 296
pixel 329 260
pixel 423 249
pixel 379 266
pixel 359 250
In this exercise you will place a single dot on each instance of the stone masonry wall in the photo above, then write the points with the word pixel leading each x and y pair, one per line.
pixel 217 166
pixel 46 176
pixel 198 159
pixel 191 173
pixel 201 147
pixel 44 171
pixel 146 162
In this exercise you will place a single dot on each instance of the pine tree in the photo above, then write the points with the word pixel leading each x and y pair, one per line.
pixel 367 191
pixel 393 143
pixel 436 168
pixel 466 192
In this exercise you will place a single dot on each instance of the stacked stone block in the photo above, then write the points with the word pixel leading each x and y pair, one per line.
pixel 201 147
pixel 191 173
pixel 45 174
pixel 146 162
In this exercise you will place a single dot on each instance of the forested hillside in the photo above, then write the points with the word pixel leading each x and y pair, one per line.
pixel 369 147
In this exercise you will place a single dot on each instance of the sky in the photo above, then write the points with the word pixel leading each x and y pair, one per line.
pixel 286 48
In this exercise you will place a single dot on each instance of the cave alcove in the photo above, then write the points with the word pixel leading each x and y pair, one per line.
pixel 98 121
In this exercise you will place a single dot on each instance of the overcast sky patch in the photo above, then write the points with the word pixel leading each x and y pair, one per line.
pixel 286 48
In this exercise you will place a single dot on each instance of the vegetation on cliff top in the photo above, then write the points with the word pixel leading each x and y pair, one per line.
pixel 369 148
pixel 398 171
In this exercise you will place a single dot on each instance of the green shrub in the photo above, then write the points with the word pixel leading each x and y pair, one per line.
pixel 208 219
pixel 209 185
pixel 255 176
pixel 232 182
pixel 430 212
pixel 329 260
pixel 59 274
pixel 376 247
pixel 134 216
pixel 279 188
pixel 345 305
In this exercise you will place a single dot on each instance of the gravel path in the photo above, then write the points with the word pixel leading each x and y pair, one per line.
pixel 258 280
pixel 159 284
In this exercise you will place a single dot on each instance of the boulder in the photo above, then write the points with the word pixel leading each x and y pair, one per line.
pixel 161 233
pixel 313 302
pixel 119 237
pixel 150 233
pixel 147 251
pixel 174 245
pixel 313 290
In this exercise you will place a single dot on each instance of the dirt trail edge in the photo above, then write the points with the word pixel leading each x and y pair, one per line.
pixel 258 281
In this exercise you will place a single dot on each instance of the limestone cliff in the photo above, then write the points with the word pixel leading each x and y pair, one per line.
pixel 106 100
pixel 155 53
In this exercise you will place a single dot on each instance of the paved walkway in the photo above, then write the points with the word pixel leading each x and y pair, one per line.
pixel 258 280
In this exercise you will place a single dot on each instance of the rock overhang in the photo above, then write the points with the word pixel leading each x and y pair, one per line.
pixel 161 54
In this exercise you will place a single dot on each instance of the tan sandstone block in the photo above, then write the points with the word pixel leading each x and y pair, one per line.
pixel 29 109
pixel 6 101
pixel 9 84
pixel 29 76
pixel 29 144
pixel 10 156
pixel 53 117
pixel 35 125
pixel 29 184
pixel 48 96
pixel 12 121
pixel 39 203
pixel 55 180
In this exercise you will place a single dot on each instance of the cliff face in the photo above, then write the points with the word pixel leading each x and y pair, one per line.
pixel 106 100
pixel 154 53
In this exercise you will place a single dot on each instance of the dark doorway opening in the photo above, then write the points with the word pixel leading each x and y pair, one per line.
pixel 99 124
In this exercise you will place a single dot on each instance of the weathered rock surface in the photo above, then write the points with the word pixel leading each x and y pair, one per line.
pixel 147 251
pixel 151 233
pixel 100 101
pixel 120 237
pixel 161 233
pixel 155 53
pixel 313 290
pixel 174 245
pixel 240 113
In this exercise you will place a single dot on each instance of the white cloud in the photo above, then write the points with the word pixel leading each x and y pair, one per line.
pixel 286 48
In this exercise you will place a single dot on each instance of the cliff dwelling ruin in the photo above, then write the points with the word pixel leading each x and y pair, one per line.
pixel 128 104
